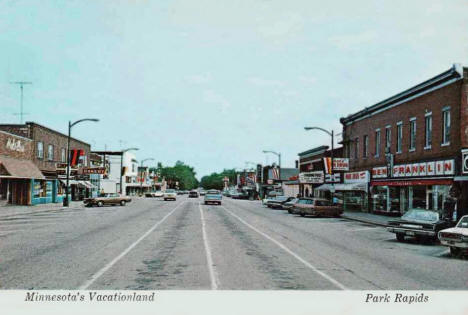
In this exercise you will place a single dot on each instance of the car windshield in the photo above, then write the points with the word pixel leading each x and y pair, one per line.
pixel 421 215
pixel 305 201
pixel 463 222
pixel 293 200
pixel 170 190
pixel 212 192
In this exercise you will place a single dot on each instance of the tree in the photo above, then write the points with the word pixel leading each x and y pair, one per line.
pixel 180 172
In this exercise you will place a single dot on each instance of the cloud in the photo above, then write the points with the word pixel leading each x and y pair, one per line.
pixel 265 82
pixel 198 78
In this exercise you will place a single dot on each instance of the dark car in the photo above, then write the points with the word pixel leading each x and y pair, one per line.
pixel 278 202
pixel 240 195
pixel 419 223
pixel 193 194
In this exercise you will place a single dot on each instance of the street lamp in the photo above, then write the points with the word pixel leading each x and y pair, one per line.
pixel 141 179
pixel 121 165
pixel 70 125
pixel 331 134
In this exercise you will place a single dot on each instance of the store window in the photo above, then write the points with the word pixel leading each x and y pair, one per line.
pixel 412 146
pixel 428 129
pixel 40 150
pixel 50 152
pixel 365 145
pixel 446 127
pixel 388 139
pixel 377 143
pixel 356 148
pixel 379 198
pixel 63 155
pixel 399 136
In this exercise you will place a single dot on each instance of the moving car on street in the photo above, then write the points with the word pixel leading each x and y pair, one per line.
pixel 317 207
pixel 456 238
pixel 278 202
pixel 170 194
pixel 419 223
pixel 240 195
pixel 213 196
pixel 193 194
pixel 289 204
pixel 107 199
pixel 154 194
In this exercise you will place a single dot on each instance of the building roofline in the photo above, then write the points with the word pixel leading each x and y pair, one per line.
pixel 316 149
pixel 455 73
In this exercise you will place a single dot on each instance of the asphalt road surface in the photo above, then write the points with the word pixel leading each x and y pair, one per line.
pixel 152 244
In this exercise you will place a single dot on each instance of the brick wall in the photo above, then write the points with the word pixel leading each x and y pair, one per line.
pixel 433 102
pixel 23 150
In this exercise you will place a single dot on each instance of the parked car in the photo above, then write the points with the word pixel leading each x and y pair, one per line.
pixel 202 192
pixel 158 194
pixel 227 193
pixel 289 204
pixel 240 195
pixel 419 223
pixel 278 202
pixel 107 199
pixel 213 196
pixel 179 192
pixel 268 199
pixel 456 238
pixel 317 207
pixel 193 194
pixel 170 194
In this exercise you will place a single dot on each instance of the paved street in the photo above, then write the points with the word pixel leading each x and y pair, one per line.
pixel 154 244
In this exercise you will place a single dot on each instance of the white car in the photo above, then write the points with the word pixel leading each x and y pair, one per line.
pixel 158 194
pixel 170 194
pixel 456 238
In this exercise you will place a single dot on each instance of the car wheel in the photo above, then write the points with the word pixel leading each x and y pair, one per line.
pixel 122 203
pixel 454 251
pixel 400 237
pixel 100 204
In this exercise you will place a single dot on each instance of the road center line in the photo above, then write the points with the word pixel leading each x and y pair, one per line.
pixel 286 249
pixel 209 260
pixel 98 274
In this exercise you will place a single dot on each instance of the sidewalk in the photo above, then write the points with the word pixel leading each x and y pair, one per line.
pixel 370 218
pixel 10 210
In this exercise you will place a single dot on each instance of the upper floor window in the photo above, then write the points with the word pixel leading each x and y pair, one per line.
pixel 356 148
pixel 399 136
pixel 412 145
pixel 388 138
pixel 446 126
pixel 377 143
pixel 50 152
pixel 365 145
pixel 40 150
pixel 63 155
pixel 428 133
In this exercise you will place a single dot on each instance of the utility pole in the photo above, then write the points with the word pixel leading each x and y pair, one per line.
pixel 21 84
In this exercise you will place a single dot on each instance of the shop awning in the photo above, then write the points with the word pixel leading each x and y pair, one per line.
pixel 16 168
pixel 414 182
pixel 344 187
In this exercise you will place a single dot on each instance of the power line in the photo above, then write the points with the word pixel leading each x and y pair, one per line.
pixel 21 113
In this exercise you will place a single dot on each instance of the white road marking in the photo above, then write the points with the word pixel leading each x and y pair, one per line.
pixel 286 249
pixel 209 260
pixel 363 229
pixel 98 274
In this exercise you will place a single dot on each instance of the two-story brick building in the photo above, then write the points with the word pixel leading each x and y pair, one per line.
pixel 48 153
pixel 410 146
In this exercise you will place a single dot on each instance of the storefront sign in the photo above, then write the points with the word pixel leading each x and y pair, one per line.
pixel 14 145
pixel 339 164
pixel 434 168
pixel 379 172
pixel 311 178
pixel 465 161
pixel 356 177
pixel 335 179
pixel 94 170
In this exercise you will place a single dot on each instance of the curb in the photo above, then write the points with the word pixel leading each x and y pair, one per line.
pixel 38 211
pixel 344 216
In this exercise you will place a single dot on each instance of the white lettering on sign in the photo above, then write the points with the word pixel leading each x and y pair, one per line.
pixel 434 168
pixel 14 145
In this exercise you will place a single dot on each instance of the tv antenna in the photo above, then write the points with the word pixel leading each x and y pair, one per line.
pixel 21 84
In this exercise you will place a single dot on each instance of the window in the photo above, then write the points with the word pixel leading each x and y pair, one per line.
pixel 388 139
pixel 412 146
pixel 399 136
pixel 50 152
pixel 365 144
pixel 446 127
pixel 377 143
pixel 40 150
pixel 428 137
pixel 63 155
pixel 356 148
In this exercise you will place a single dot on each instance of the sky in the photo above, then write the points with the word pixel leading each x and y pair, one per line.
pixel 213 83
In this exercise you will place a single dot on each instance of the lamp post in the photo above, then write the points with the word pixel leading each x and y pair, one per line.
pixel 141 179
pixel 121 165
pixel 331 134
pixel 70 125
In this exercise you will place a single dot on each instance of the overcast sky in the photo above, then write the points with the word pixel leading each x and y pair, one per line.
pixel 213 82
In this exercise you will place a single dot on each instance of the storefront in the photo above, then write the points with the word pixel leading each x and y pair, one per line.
pixel 308 181
pixel 424 185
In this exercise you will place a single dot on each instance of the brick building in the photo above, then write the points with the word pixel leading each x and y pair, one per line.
pixel 409 147
pixel 49 155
